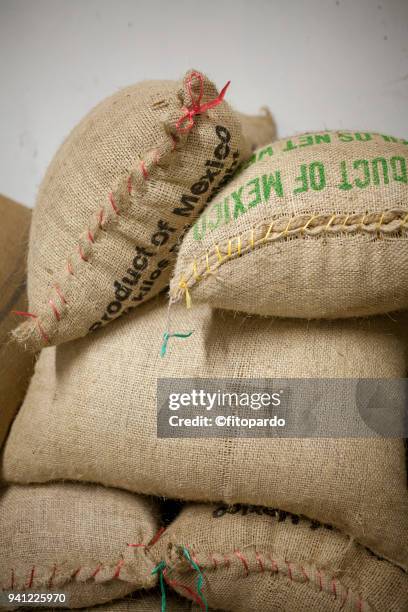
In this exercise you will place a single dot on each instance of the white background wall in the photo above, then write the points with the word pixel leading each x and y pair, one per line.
pixel 317 64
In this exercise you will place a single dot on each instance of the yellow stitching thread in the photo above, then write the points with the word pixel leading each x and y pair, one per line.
pixel 304 228
pixel 197 277
pixel 252 243
pixel 345 221
pixel 207 263
pixel 285 233
pixel 380 224
pixel 269 231
pixel 217 250
pixel 183 285
pixel 332 218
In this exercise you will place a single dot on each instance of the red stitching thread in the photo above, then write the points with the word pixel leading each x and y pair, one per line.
pixel 55 310
pixel 154 539
pixel 274 564
pixel 345 599
pixel 157 536
pixel 100 217
pixel 98 569
pixel 214 561
pixel 244 562
pixel 81 254
pixel 194 558
pixel 21 313
pixel 31 579
pixel 196 107
pixel 144 170
pixel 227 561
pixel 192 594
pixel 52 577
pixel 61 296
pixel 175 141
pixel 259 560
pixel 320 580
pixel 113 203
pixel 73 575
pixel 42 332
pixel 317 578
pixel 118 568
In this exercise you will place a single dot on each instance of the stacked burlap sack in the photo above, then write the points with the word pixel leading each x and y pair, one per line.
pixel 16 366
pixel 117 197
pixel 291 271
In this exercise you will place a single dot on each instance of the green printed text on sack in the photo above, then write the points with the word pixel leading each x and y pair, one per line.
pixel 308 140
pixel 264 189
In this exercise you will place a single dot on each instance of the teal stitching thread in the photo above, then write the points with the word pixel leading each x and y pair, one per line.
pixel 166 338
pixel 160 569
pixel 200 578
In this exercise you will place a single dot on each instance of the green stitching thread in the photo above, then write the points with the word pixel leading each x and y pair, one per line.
pixel 166 338
pixel 160 569
pixel 200 578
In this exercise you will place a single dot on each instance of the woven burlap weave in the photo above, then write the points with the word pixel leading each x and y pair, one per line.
pixel 258 130
pixel 146 602
pixel 74 538
pixel 316 226
pixel 116 199
pixel 16 366
pixel 90 414
pixel 260 559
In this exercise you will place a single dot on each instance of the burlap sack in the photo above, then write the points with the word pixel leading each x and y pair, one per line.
pixel 76 539
pixel 321 217
pixel 94 403
pixel 258 130
pixel 16 366
pixel 116 199
pixel 145 602
pixel 261 559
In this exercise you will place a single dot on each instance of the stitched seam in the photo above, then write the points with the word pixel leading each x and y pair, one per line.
pixel 103 218
pixel 116 567
pixel 266 563
pixel 145 168
pixel 206 263
pixel 73 574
